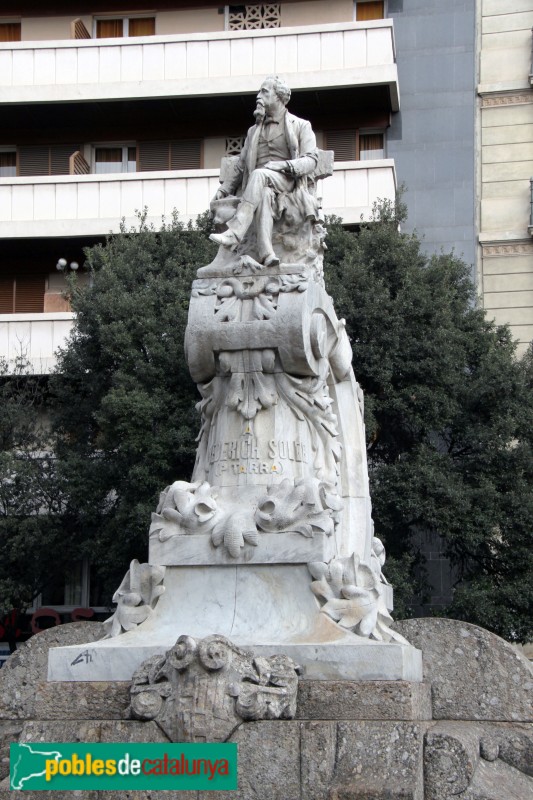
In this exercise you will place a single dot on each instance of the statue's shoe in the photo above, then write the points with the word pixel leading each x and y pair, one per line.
pixel 226 239
pixel 271 261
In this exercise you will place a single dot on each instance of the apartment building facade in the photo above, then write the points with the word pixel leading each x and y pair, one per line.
pixel 505 165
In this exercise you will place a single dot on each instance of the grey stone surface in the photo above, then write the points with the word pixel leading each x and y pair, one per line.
pixel 318 749
pixel 98 700
pixel 474 674
pixel 378 760
pixel 131 731
pixel 9 732
pixel 269 762
pixel 27 668
pixel 478 761
pixel 60 731
pixel 372 700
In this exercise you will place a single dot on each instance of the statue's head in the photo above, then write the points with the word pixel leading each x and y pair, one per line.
pixel 282 91
pixel 273 92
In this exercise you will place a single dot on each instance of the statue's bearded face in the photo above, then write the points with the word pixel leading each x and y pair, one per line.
pixel 267 99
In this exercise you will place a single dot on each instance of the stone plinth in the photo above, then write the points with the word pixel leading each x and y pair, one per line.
pixel 269 608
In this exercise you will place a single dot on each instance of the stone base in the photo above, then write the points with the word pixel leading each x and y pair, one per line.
pixel 350 740
pixel 268 608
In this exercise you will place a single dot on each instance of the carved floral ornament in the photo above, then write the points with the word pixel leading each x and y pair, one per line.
pixel 352 594
pixel 136 597
pixel 306 507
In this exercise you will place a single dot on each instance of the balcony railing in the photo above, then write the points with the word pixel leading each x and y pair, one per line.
pixel 334 55
pixel 93 205
pixel 33 339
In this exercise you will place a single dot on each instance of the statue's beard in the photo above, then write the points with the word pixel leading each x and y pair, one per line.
pixel 259 113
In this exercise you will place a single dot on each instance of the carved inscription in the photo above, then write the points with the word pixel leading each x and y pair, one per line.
pixel 251 448
pixel 248 456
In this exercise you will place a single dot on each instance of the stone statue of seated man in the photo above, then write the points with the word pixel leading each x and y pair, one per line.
pixel 279 157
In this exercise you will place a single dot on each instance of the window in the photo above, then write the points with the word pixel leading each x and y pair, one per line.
pixel 9 31
pixel 352 145
pixel 8 163
pixel 115 158
pixel 343 143
pixel 22 294
pixel 371 145
pixel 80 588
pixel 365 10
pixel 179 154
pixel 108 28
pixel 252 17
pixel 45 159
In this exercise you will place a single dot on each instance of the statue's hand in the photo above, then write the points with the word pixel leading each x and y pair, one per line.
pixel 220 194
pixel 278 166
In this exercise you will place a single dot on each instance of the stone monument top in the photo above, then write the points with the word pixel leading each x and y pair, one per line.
pixel 271 543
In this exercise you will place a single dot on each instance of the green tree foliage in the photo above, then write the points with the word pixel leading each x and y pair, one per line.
pixel 32 528
pixel 449 417
pixel 124 401
pixel 448 412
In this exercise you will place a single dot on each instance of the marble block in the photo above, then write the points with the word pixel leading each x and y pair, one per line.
pixel 268 608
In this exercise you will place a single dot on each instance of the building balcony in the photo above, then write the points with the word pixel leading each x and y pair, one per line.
pixel 33 339
pixel 94 205
pixel 88 205
pixel 312 57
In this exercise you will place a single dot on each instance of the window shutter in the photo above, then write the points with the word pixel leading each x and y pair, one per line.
pixel 343 143
pixel 34 160
pixel 179 154
pixel 6 295
pixel 45 160
pixel 78 30
pixel 186 154
pixel 59 158
pixel 29 295
pixel 153 156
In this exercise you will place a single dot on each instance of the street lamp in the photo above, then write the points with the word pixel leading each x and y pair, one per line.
pixel 62 265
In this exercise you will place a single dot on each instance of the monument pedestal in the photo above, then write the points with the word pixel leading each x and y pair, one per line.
pixel 268 608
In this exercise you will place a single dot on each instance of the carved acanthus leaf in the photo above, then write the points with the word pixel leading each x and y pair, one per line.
pixel 352 593
pixel 304 507
pixel 185 508
pixel 136 597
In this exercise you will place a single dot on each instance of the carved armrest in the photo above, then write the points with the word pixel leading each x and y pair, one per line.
pixel 228 168
pixel 324 167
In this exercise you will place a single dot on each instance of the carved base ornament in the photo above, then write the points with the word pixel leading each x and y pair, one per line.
pixel 201 691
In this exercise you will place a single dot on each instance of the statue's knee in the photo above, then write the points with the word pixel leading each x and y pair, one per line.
pixel 260 177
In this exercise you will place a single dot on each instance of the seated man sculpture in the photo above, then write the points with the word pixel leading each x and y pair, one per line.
pixel 279 153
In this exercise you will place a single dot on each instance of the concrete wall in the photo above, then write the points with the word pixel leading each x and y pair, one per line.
pixel 506 165
pixel 432 138
pixel 189 20
pixel 313 12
